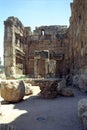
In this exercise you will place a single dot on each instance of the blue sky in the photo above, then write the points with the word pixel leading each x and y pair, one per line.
pixel 34 13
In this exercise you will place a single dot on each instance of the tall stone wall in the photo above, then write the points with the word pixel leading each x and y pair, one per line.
pixel 14 54
pixel 51 39
pixel 78 36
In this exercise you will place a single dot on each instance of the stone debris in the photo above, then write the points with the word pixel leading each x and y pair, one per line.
pixel 48 88
pixel 76 80
pixel 82 107
pixel 80 81
pixel 28 89
pixel 68 92
pixel 61 84
pixel 63 90
pixel 12 91
pixel 83 82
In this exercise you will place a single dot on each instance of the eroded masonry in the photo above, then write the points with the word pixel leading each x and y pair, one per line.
pixel 42 53
pixel 48 51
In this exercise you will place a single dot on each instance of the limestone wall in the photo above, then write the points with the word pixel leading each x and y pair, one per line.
pixel 78 35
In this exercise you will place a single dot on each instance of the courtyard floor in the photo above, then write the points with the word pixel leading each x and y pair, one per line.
pixel 36 113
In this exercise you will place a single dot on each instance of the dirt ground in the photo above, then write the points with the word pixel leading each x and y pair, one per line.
pixel 35 113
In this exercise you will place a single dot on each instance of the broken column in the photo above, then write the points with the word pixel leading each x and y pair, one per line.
pixel 48 88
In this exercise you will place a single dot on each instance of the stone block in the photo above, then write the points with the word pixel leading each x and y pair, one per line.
pixel 61 85
pixel 83 82
pixel 82 107
pixel 12 91
pixel 48 88
pixel 68 92
pixel 76 80
pixel 28 89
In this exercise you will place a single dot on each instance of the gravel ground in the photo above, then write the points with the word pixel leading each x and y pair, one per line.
pixel 35 113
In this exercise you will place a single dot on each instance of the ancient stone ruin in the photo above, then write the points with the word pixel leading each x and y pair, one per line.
pixel 42 53
pixel 50 52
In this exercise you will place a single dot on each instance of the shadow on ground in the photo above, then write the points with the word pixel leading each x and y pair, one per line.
pixel 49 114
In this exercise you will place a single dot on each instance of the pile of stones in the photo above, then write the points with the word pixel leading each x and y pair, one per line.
pixel 15 90
pixel 52 88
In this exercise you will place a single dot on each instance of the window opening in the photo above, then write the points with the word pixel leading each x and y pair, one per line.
pixel 42 32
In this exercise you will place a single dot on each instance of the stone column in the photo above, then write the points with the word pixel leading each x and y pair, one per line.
pixel 36 67
pixel 9 49
pixel 47 68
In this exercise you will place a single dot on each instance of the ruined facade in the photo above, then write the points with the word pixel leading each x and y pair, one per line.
pixel 42 53
pixel 48 51
pixel 14 54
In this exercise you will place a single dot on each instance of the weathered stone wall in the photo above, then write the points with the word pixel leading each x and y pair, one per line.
pixel 78 36
pixel 43 53
pixel 14 47
pixel 52 39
